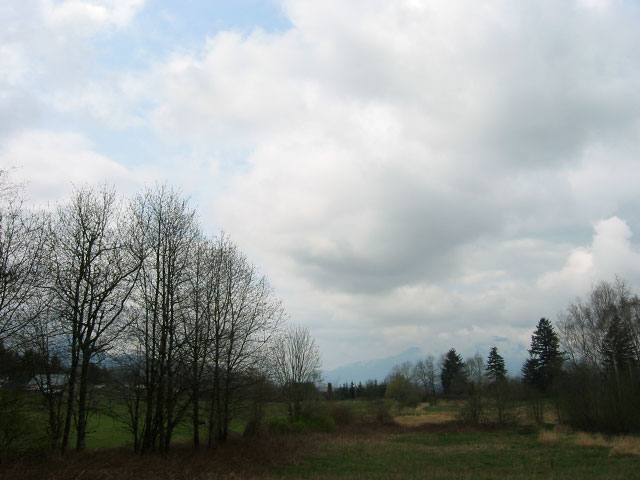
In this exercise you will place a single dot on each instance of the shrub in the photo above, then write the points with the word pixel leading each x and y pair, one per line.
pixel 319 423
pixel 342 415
pixel 379 414
pixel 309 422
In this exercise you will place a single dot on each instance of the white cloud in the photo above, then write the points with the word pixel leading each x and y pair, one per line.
pixel 86 16
pixel 51 163
pixel 47 60
pixel 404 171
pixel 420 165
pixel 611 253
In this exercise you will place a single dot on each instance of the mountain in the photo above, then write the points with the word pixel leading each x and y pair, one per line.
pixel 376 369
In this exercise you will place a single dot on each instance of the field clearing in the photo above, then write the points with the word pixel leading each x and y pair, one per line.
pixel 430 451
pixel 463 455
pixel 442 412
pixel 426 442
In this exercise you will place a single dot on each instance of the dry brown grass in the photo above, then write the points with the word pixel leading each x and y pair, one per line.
pixel 618 445
pixel 421 415
pixel 239 458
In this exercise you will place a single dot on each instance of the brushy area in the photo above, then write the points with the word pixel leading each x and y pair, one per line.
pixel 355 441
pixel 617 445
pixel 238 458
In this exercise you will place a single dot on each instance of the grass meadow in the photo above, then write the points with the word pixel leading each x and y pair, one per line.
pixel 427 442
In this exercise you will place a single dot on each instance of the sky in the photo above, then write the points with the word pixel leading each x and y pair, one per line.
pixel 407 173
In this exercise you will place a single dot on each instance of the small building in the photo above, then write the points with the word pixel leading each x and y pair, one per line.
pixel 39 382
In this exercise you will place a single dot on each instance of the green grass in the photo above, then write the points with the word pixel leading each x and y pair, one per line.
pixel 366 450
pixel 468 455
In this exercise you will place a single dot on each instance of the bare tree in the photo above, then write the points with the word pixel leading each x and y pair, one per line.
pixel 244 318
pixel 296 366
pixel 93 274
pixel 604 330
pixel 165 230
pixel 475 369
pixel 198 324
pixel 425 373
pixel 21 252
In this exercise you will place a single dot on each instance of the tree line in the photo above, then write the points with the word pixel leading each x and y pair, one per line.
pixel 587 367
pixel 189 326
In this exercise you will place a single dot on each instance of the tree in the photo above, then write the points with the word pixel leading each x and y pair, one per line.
pixel 197 325
pixel 92 276
pixel 603 331
pixel 475 369
pixel 545 358
pixel 296 366
pixel 601 335
pixel 401 386
pixel 495 371
pixel 425 373
pixel 245 317
pixel 22 244
pixel 165 230
pixel 453 375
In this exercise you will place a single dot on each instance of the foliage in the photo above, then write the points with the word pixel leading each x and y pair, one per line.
pixel 602 338
pixel 342 415
pixel 453 375
pixel 496 370
pixel 545 358
pixel 401 389
pixel 312 420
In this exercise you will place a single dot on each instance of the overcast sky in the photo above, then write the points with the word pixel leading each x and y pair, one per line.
pixel 406 173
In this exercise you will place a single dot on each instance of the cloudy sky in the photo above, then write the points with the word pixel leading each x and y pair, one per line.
pixel 407 173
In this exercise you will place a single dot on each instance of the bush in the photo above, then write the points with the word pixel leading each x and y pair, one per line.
pixel 383 416
pixel 593 401
pixel 311 421
pixel 319 423
pixel 342 415
pixel 379 414
pixel 17 433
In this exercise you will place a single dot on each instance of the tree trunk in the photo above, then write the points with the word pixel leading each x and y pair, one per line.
pixel 82 401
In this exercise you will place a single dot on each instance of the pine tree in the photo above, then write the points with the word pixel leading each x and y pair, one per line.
pixel 545 358
pixel 452 369
pixel 617 348
pixel 495 370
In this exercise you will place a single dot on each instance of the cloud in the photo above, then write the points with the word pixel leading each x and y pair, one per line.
pixel 611 253
pixel 47 60
pixel 87 16
pixel 400 170
pixel 420 168
pixel 51 163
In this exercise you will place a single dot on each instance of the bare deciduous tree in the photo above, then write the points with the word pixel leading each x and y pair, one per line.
pixel 21 252
pixel 296 366
pixel 425 373
pixel 93 274
pixel 245 316
pixel 165 230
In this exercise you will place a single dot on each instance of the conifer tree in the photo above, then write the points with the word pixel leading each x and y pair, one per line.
pixel 545 358
pixel 452 367
pixel 495 370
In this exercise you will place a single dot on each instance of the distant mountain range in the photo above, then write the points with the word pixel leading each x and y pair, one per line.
pixel 376 369
pixel 379 368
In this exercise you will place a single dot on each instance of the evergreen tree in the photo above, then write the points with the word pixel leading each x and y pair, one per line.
pixel 495 370
pixel 452 370
pixel 617 348
pixel 545 358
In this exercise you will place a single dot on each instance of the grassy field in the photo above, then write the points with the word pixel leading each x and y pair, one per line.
pixel 433 444
pixel 462 455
